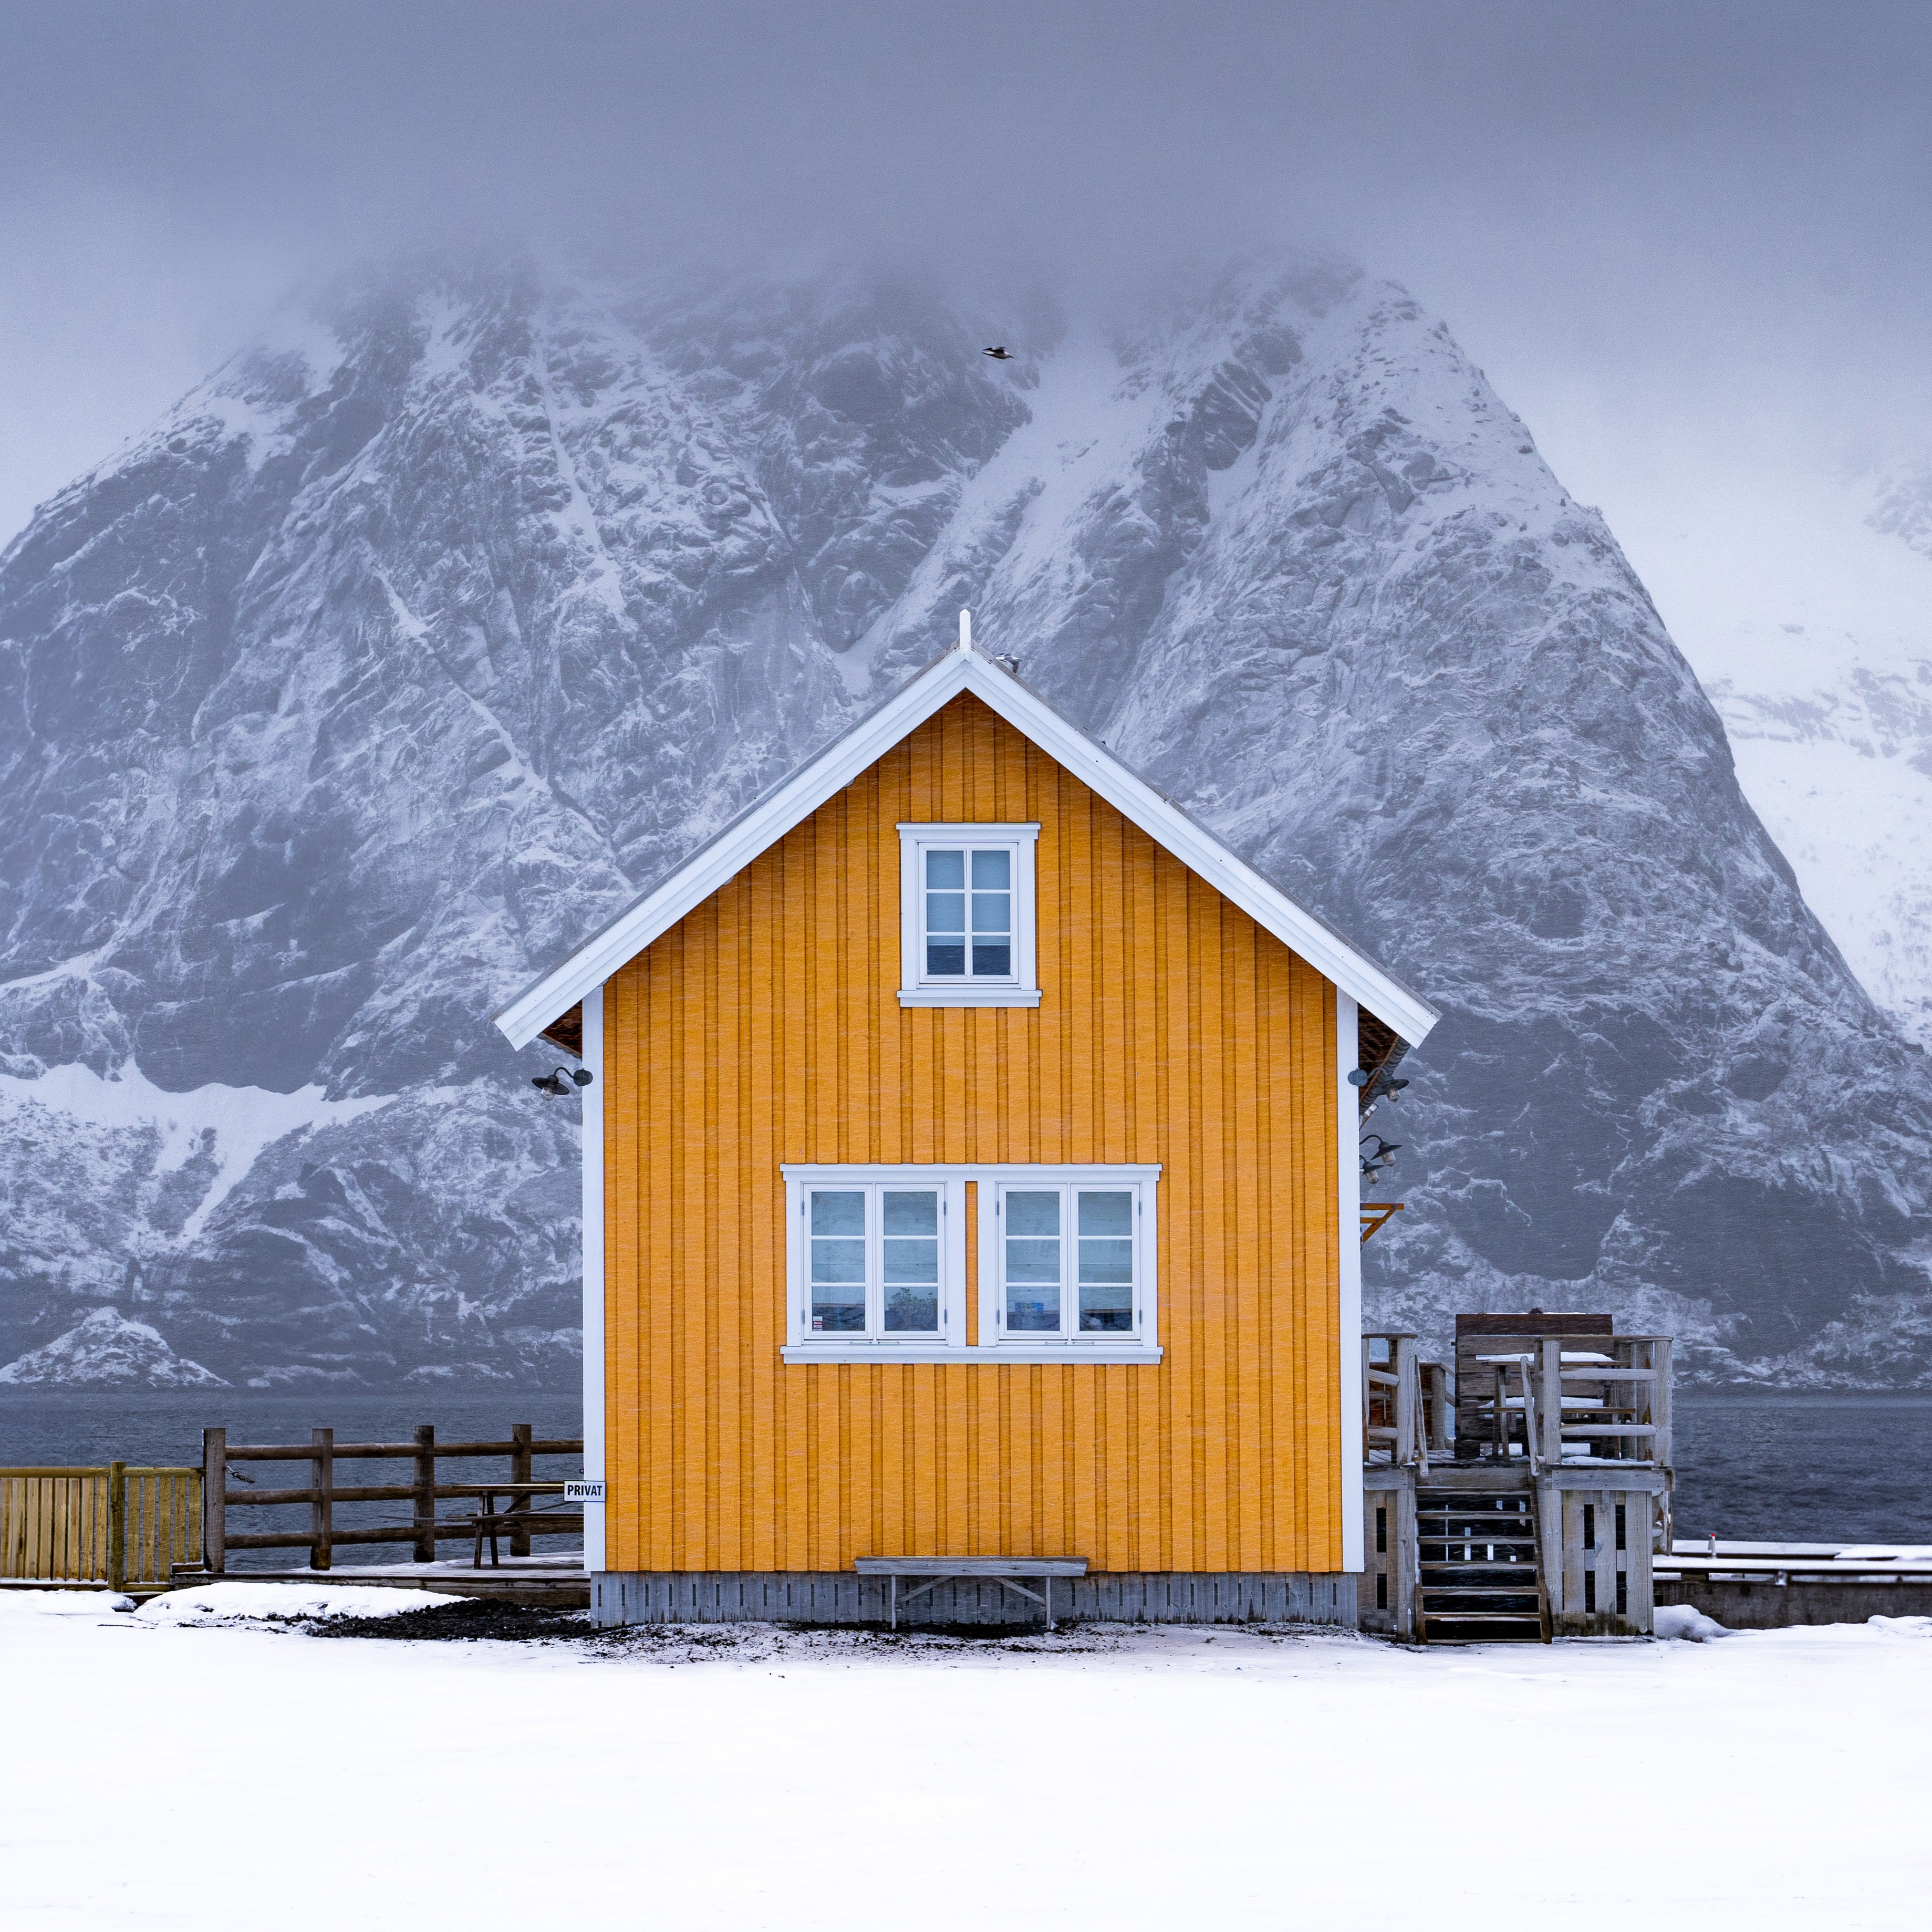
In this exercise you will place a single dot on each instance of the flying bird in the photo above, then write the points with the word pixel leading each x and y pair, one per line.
pixel 1002 354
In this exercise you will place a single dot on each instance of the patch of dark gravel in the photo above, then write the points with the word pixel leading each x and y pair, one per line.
pixel 472 1617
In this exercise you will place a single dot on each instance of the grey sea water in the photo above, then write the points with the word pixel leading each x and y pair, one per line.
pixel 1813 1469
pixel 1750 1466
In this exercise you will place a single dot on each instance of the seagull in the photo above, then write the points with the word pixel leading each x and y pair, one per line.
pixel 1002 354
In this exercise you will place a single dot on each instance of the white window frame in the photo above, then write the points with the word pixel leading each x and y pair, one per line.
pixel 917 988
pixel 876 1342
pixel 1069 1345
pixel 1143 1346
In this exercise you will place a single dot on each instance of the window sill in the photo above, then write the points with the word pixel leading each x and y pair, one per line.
pixel 1062 1355
pixel 968 996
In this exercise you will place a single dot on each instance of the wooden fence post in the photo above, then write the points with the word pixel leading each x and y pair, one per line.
pixel 1553 1400
pixel 215 1501
pixel 117 1524
pixel 425 1495
pixel 519 1472
pixel 1661 1448
pixel 322 1521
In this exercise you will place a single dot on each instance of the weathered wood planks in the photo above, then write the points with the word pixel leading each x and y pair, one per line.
pixel 116 1525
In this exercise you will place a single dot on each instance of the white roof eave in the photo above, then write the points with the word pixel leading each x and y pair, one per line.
pixel 791 803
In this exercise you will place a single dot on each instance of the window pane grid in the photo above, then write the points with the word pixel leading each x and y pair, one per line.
pixel 909 1261
pixel 967 899
pixel 873 1260
pixel 1067 1260
pixel 837 1242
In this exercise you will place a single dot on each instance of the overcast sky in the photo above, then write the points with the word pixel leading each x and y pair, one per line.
pixel 1689 243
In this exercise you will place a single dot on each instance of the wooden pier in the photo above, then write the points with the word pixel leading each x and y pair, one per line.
pixel 321 1493
pixel 556 1583
pixel 1772 1585
pixel 558 1580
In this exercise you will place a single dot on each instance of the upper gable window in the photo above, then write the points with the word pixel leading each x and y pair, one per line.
pixel 966 902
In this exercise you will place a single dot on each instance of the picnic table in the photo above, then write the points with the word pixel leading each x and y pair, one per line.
pixel 521 1513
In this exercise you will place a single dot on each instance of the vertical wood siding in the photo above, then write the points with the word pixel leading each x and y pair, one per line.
pixel 765 1027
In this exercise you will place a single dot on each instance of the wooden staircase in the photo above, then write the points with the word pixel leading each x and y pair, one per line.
pixel 1481 1565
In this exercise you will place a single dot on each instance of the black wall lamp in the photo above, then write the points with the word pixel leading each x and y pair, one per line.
pixel 560 1080
pixel 1380 1085
pixel 1380 1156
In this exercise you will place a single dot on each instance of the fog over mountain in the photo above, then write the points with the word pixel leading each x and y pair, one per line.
pixel 442 621
pixel 1828 704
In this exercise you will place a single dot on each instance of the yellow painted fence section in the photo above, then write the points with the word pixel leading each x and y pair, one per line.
pixel 765 1028
pixel 116 1525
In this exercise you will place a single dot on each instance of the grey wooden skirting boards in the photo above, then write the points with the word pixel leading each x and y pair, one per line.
pixel 830 1597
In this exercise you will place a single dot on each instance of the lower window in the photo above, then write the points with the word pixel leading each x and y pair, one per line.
pixel 875 1260
pixel 1067 1259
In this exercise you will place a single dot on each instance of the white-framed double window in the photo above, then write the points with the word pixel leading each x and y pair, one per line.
pixel 1066 1263
pixel 966 907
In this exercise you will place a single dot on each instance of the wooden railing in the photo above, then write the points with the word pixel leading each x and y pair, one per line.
pixel 1607 1396
pixel 117 1524
pixel 321 1493
pixel 1406 1408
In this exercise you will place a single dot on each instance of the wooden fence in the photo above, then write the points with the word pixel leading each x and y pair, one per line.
pixel 117 1526
pixel 322 1493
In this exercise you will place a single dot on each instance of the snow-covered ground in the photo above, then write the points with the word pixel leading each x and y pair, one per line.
pixel 158 1775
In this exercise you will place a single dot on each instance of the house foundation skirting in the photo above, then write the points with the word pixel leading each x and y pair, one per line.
pixel 832 1597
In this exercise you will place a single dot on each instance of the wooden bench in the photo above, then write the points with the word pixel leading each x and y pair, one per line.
pixel 523 1516
pixel 1002 1570
pixel 489 1525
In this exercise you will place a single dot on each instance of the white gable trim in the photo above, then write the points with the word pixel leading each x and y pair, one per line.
pixel 801 795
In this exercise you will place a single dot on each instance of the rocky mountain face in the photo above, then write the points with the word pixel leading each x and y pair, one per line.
pixel 429 632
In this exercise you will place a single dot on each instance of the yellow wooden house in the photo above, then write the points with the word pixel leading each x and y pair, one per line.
pixel 970 1197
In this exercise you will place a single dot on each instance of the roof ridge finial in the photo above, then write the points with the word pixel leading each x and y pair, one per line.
pixel 965 630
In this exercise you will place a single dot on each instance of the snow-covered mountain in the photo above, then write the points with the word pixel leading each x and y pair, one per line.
pixel 1809 621
pixel 105 1350
pixel 1833 747
pixel 430 631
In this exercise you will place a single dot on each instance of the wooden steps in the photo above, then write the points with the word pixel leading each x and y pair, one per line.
pixel 1481 1567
